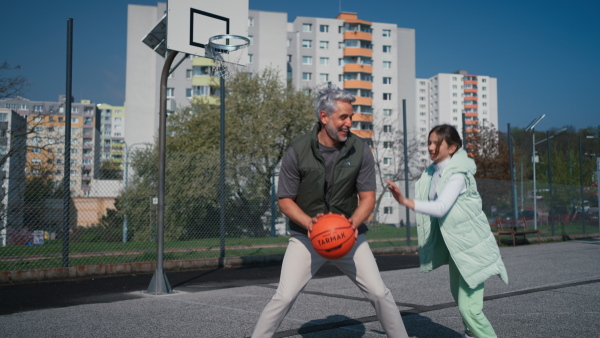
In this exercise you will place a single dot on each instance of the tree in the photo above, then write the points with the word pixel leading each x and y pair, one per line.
pixel 263 115
pixel 11 86
pixel 110 170
pixel 388 152
pixel 493 169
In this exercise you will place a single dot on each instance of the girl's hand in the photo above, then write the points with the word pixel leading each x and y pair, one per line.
pixel 393 188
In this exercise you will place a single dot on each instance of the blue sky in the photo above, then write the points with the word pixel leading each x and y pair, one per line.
pixel 545 54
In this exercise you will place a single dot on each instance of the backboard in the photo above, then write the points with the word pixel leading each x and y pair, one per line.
pixel 190 23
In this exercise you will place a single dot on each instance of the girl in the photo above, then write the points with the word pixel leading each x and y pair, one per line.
pixel 452 227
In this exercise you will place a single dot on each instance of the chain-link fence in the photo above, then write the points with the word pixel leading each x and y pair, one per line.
pixel 112 215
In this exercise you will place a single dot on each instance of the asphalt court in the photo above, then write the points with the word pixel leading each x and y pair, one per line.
pixel 553 291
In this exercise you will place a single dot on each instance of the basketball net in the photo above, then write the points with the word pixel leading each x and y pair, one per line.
pixel 226 52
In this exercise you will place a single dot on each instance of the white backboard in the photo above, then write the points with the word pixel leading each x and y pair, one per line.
pixel 190 23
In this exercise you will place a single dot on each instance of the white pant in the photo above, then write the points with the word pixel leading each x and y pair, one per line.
pixel 300 264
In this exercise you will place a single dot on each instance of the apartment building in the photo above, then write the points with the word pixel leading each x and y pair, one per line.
pixel 374 61
pixel 467 101
pixel 112 133
pixel 45 145
pixel 12 171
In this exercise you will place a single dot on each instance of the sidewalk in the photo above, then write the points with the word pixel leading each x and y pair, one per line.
pixel 554 291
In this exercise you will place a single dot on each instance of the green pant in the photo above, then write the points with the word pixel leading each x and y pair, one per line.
pixel 470 304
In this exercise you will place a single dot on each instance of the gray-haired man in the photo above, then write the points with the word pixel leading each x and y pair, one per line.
pixel 328 170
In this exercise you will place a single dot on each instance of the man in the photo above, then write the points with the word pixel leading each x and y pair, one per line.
pixel 328 170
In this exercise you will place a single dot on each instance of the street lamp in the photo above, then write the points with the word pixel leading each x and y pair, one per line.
pixel 531 127
pixel 581 179
pixel 548 138
pixel 127 148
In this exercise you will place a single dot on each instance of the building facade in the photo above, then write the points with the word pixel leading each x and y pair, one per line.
pixel 45 147
pixel 466 101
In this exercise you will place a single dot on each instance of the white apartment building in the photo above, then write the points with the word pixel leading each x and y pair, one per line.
pixel 448 98
pixel 374 61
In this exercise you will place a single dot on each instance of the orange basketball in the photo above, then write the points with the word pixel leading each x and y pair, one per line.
pixel 332 236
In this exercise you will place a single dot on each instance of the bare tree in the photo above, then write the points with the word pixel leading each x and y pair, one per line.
pixel 11 86
pixel 388 151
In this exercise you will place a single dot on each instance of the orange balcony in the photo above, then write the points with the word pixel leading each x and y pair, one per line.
pixel 470 98
pixel 356 35
pixel 357 68
pixel 471 90
pixel 472 130
pixel 363 101
pixel 358 84
pixel 471 114
pixel 363 133
pixel 471 146
pixel 470 106
pixel 358 52
pixel 362 117
pixel 472 82
pixel 471 122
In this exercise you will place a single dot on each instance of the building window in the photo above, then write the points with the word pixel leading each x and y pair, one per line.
pixel 289 42
pixel 201 90
pixel 387 128
pixel 306 76
pixel 307 27
pixel 324 28
pixel 387 80
pixel 388 210
pixel 250 58
pixel 324 44
pixel 74 120
pixel 36 119
pixel 307 43
pixel 388 144
pixel 341 45
pixel 387 112
pixel 170 92
pixel 483 88
pixel 387 64
pixel 387 49
pixel 251 38
pixel 324 61
pixel 36 150
pixel 387 96
pixel 387 33
pixel 250 22
pixel 387 160
pixel 188 73
pixel 323 77
pixel 307 60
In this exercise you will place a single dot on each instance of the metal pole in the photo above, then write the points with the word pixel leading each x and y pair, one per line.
pixel 159 283
pixel 598 187
pixel 550 184
pixel 534 183
pixel 522 187
pixel 125 222
pixel 67 164
pixel 273 200
pixel 222 171
pixel 513 182
pixel 581 184
pixel 406 170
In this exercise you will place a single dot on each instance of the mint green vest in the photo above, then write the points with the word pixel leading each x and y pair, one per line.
pixel 463 233
pixel 343 198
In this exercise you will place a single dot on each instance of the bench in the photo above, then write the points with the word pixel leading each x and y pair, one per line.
pixel 514 229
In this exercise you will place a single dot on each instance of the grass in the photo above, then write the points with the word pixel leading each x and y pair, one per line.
pixel 48 255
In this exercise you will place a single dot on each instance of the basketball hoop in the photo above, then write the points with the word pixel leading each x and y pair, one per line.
pixel 226 55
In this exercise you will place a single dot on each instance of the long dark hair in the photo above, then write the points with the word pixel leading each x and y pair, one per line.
pixel 448 133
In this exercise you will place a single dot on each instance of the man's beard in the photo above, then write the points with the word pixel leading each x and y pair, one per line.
pixel 334 133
